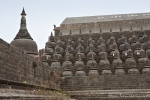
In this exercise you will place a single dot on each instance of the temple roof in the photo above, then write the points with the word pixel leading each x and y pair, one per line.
pixel 105 18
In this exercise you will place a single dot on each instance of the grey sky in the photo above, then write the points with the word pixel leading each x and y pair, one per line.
pixel 43 14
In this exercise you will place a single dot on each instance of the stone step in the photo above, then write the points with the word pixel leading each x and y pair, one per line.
pixel 104 87
pixel 120 94
pixel 18 98
pixel 16 94
pixel 97 98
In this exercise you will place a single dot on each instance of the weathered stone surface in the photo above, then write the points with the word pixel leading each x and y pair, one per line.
pixel 17 66
pixel 15 94
pixel 106 81
pixel 93 23
pixel 85 66
pixel 121 94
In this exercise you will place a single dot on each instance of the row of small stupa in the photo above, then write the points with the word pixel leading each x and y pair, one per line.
pixel 74 59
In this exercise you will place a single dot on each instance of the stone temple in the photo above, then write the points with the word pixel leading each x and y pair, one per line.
pixel 87 58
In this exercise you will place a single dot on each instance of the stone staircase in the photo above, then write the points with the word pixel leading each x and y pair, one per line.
pixel 108 87
pixel 15 94
pixel 108 82
pixel 120 94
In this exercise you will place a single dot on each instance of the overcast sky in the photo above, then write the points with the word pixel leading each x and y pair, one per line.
pixel 43 14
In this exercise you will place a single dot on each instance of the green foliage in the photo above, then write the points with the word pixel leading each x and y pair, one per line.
pixel 58 92
pixel 50 97
pixel 39 89
pixel 142 84
pixel 68 94
pixel 36 78
pixel 9 87
pixel 25 82
pixel 41 85
pixel 59 89
pixel 83 99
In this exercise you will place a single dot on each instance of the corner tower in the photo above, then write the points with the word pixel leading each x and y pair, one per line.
pixel 23 39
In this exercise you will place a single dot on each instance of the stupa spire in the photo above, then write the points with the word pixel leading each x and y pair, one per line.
pixel 131 30
pixel 141 27
pixel 111 33
pixel 122 33
pixel 70 32
pixel 120 29
pixel 51 33
pixel 23 32
pixel 100 31
pixel 23 12
pixel 80 32
pixel 110 30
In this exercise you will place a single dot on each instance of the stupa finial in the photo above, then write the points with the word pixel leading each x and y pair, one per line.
pixel 23 12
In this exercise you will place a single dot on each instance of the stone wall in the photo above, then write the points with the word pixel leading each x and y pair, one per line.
pixel 105 26
pixel 18 67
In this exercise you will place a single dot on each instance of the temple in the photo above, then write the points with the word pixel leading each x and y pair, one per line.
pixel 87 58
